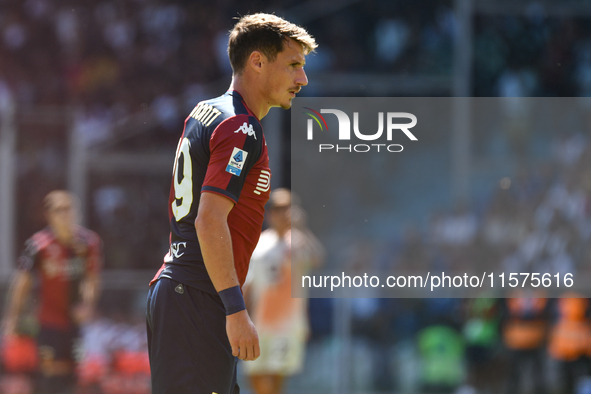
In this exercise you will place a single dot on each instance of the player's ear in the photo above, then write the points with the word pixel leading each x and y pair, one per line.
pixel 256 61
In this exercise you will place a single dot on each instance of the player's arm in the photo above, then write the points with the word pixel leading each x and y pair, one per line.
pixel 90 289
pixel 21 286
pixel 215 240
pixel 216 247
pixel 18 294
pixel 89 293
pixel 90 284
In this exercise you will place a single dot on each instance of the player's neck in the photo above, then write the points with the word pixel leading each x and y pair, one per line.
pixel 63 235
pixel 251 96
pixel 281 230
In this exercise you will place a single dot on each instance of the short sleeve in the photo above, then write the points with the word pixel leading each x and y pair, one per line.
pixel 235 147
pixel 28 258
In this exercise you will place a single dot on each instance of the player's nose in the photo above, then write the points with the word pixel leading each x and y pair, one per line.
pixel 301 78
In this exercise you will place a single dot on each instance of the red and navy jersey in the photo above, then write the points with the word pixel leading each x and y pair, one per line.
pixel 223 151
pixel 60 269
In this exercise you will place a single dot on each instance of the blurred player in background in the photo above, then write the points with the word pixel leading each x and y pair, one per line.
pixel 65 259
pixel 286 250
pixel 197 321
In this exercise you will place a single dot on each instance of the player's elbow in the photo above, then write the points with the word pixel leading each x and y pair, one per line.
pixel 23 280
pixel 212 214
pixel 206 221
pixel 199 223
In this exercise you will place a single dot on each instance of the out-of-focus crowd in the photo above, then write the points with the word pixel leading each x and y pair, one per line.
pixel 537 221
pixel 461 346
pixel 116 59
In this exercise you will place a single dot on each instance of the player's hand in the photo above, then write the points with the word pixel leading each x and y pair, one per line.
pixel 243 336
pixel 82 313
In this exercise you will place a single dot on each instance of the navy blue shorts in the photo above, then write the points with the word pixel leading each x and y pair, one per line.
pixel 187 341
pixel 57 344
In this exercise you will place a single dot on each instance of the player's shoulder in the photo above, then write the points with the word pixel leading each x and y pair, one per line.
pixel 41 239
pixel 268 237
pixel 240 126
pixel 230 104
pixel 228 113
pixel 89 236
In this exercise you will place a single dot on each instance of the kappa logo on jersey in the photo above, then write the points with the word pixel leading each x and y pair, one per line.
pixel 237 161
pixel 246 128
pixel 264 182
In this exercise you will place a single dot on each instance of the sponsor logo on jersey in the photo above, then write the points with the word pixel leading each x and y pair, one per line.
pixel 236 163
pixel 264 182
pixel 246 128
pixel 68 268
pixel 175 249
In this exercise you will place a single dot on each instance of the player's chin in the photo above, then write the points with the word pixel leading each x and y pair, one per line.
pixel 286 105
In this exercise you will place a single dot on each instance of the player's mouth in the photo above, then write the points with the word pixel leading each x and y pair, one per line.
pixel 294 92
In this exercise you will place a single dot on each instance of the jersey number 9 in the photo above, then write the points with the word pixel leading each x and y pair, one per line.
pixel 183 188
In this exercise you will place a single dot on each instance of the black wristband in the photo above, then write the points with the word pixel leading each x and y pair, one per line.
pixel 233 300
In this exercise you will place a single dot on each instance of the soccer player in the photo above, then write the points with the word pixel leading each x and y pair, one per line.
pixel 66 259
pixel 198 325
pixel 285 250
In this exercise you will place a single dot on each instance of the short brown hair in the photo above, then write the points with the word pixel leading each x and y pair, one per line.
pixel 55 196
pixel 280 198
pixel 265 33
